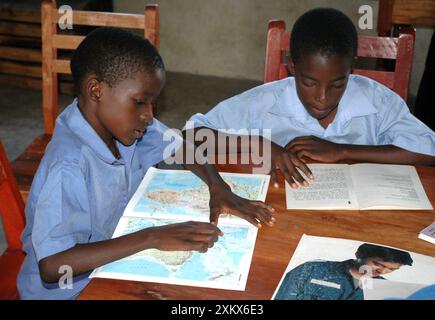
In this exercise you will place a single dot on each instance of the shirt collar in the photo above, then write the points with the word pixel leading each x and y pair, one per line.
pixel 88 136
pixel 288 103
pixel 353 103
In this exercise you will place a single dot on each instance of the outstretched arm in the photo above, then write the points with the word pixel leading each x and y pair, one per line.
pixel 326 151
pixel 83 258
pixel 222 199
pixel 274 156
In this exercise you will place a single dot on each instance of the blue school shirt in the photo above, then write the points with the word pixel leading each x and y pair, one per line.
pixel 368 114
pixel 321 280
pixel 78 194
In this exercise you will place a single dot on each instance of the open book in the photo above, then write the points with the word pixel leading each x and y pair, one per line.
pixel 428 233
pixel 173 196
pixel 361 186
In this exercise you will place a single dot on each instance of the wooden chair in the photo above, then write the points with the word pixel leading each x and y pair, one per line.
pixel 24 167
pixel 400 49
pixel 401 16
pixel 12 213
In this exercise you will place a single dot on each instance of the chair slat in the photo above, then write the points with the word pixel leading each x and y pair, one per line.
pixel 104 19
pixel 61 41
pixel 16 68
pixel 62 66
pixel 21 54
pixel 377 47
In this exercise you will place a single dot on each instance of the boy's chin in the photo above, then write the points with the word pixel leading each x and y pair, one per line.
pixel 126 142
pixel 320 115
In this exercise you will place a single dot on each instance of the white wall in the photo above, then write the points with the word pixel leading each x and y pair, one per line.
pixel 227 38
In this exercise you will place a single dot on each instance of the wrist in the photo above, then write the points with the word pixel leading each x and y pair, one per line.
pixel 344 152
pixel 218 186
pixel 149 240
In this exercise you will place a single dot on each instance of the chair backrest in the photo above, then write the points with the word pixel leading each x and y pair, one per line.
pixel 11 203
pixel 399 49
pixel 400 15
pixel 52 41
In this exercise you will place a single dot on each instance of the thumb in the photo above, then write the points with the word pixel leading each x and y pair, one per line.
pixel 273 179
pixel 214 216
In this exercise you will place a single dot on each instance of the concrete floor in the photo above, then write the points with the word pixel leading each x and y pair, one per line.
pixel 184 94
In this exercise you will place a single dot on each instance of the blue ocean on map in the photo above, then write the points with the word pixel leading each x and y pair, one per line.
pixel 189 193
pixel 220 263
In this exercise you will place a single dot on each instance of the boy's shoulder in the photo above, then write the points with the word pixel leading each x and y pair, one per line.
pixel 260 98
pixel 272 89
pixel 67 143
pixel 373 90
pixel 363 93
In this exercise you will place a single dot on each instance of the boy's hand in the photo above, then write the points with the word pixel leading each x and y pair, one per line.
pixel 222 199
pixel 186 236
pixel 288 162
pixel 316 149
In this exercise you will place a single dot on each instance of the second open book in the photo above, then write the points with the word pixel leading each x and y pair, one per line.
pixel 360 187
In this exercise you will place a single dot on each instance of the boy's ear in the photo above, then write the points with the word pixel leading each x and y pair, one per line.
pixel 94 90
pixel 291 67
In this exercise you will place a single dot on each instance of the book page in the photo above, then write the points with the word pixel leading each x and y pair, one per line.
pixel 332 188
pixel 382 186
pixel 173 196
pixel 180 194
pixel 320 270
pixel 224 266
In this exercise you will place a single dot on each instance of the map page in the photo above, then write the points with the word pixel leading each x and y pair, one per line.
pixel 173 196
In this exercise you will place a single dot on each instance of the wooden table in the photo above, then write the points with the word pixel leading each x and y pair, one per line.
pixel 275 246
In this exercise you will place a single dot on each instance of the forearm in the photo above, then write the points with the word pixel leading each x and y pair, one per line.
pixel 197 153
pixel 385 154
pixel 85 257
pixel 224 143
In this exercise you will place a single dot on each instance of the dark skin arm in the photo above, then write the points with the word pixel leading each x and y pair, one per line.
pixel 222 199
pixel 281 159
pixel 325 151
pixel 82 258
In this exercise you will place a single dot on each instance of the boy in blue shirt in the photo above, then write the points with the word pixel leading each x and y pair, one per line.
pixel 103 144
pixel 323 112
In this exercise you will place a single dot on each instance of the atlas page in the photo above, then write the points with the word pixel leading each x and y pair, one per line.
pixel 382 186
pixel 332 188
pixel 173 196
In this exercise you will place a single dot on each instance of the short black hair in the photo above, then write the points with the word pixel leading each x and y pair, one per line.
pixel 386 254
pixel 113 55
pixel 324 31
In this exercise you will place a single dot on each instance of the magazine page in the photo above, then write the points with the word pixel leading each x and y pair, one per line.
pixel 339 269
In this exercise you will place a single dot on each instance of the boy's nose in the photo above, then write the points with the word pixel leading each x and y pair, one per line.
pixel 321 95
pixel 147 114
